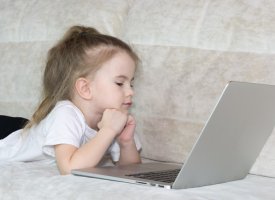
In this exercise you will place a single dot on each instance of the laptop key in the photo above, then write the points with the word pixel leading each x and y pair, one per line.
pixel 167 176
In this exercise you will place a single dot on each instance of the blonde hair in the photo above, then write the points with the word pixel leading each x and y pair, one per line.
pixel 80 52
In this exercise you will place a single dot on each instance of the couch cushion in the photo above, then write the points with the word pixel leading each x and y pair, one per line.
pixel 242 26
pixel 48 20
pixel 21 76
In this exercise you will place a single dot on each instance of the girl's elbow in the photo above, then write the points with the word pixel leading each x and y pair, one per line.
pixel 65 171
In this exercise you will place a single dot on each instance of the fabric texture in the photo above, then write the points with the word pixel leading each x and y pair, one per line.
pixel 36 180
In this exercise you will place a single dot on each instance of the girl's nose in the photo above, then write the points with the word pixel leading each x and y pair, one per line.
pixel 130 91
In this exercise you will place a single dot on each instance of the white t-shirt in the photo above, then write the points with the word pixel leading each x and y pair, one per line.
pixel 65 124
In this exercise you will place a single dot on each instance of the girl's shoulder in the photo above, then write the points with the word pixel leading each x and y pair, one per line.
pixel 66 111
pixel 67 106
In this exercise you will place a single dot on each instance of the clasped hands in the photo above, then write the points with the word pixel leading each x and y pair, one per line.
pixel 120 123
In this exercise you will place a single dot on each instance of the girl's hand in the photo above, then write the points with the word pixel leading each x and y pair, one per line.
pixel 127 134
pixel 114 120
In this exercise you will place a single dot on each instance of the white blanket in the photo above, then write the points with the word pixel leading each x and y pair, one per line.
pixel 37 181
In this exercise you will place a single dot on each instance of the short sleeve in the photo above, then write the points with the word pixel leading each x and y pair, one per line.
pixel 64 126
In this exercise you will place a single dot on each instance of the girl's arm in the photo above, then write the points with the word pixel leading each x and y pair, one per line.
pixel 128 150
pixel 129 154
pixel 69 157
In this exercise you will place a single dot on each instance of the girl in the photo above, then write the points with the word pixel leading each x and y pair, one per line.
pixel 87 94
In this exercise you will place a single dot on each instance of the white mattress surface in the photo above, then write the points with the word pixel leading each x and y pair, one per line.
pixel 39 181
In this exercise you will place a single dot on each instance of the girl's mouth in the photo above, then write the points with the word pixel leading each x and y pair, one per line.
pixel 128 104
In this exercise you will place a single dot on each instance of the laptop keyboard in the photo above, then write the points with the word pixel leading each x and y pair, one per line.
pixel 167 176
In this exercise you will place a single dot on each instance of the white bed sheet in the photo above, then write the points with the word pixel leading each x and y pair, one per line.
pixel 38 181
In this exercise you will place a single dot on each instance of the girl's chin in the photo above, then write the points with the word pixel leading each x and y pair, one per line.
pixel 126 111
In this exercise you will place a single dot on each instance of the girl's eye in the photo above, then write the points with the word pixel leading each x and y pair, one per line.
pixel 119 84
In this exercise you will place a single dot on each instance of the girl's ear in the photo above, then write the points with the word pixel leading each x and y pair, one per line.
pixel 83 88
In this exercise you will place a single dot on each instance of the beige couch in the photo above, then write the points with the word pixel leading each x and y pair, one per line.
pixel 189 51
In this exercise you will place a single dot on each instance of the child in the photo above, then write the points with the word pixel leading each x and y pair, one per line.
pixel 87 94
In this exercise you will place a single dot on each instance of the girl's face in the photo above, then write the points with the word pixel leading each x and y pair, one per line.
pixel 112 86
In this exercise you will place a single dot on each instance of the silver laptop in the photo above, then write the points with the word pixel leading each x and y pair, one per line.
pixel 229 144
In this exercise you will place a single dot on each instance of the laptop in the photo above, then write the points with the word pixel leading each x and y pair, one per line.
pixel 226 149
